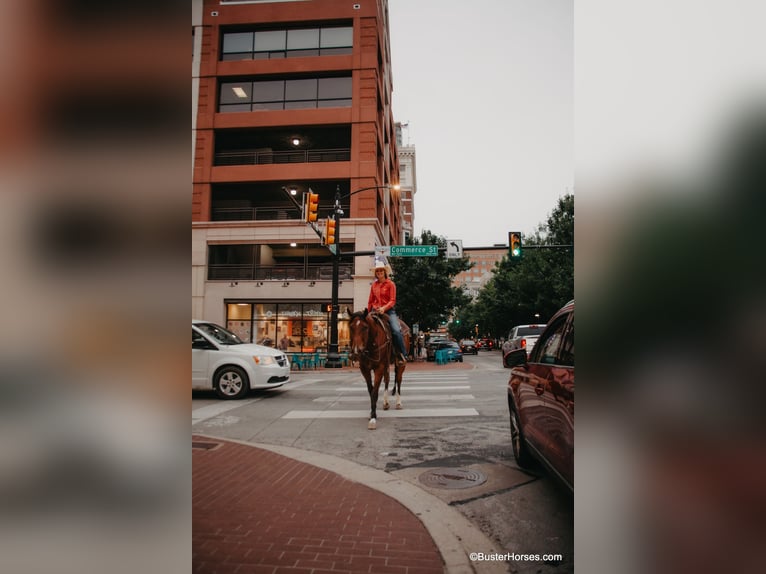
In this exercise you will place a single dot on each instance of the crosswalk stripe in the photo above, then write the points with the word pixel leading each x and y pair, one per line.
pixel 407 398
pixel 405 413
pixel 363 388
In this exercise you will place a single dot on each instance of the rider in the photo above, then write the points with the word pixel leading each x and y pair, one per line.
pixel 382 299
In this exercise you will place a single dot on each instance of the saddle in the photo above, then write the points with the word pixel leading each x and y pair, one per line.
pixel 382 320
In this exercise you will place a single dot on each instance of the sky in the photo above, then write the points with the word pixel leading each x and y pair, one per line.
pixel 486 90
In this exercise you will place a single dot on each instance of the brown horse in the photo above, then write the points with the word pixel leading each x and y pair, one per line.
pixel 372 346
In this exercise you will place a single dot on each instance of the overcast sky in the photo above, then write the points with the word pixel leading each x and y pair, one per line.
pixel 486 88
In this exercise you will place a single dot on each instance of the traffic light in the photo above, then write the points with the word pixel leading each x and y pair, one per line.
pixel 514 244
pixel 329 232
pixel 312 205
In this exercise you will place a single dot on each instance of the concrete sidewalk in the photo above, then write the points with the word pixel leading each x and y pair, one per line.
pixel 261 508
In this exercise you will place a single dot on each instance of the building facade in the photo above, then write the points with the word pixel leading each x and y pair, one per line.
pixel 408 183
pixel 483 261
pixel 289 96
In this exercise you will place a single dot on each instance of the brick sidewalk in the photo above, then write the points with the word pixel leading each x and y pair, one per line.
pixel 255 511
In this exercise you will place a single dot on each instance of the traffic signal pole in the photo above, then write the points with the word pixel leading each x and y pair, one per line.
pixel 333 356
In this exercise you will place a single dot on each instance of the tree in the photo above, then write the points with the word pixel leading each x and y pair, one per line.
pixel 538 284
pixel 424 293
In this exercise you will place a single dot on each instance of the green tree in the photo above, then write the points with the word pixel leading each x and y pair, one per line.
pixel 424 291
pixel 538 284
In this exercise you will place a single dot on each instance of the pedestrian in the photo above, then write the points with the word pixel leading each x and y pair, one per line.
pixel 383 300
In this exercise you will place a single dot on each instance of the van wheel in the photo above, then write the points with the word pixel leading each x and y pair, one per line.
pixel 520 450
pixel 231 382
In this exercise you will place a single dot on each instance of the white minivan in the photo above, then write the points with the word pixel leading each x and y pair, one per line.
pixel 222 362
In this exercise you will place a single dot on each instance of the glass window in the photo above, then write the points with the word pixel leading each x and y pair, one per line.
pixel 547 348
pixel 236 92
pixel 235 107
pixel 270 41
pixel 331 88
pixel 337 37
pixel 265 310
pixel 301 90
pixel 269 91
pixel 238 42
pixel 334 103
pixel 241 329
pixel 567 347
pixel 303 39
pixel 239 311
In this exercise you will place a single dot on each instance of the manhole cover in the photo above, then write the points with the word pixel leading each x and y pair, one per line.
pixel 452 478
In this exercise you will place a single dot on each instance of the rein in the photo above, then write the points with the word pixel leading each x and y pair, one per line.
pixel 371 343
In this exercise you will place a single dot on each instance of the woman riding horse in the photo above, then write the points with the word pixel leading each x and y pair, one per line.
pixel 371 345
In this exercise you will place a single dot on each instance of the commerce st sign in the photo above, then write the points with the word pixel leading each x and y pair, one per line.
pixel 408 250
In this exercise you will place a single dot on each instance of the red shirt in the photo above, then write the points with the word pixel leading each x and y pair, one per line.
pixel 382 294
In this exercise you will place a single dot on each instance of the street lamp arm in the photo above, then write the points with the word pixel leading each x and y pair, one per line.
pixel 338 195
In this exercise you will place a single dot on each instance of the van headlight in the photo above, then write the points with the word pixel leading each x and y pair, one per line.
pixel 264 360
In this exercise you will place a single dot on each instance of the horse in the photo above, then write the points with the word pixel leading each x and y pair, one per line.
pixel 373 347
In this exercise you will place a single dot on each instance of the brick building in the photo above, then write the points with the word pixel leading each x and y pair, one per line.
pixel 289 96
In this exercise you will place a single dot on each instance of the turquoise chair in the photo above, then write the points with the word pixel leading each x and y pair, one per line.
pixel 297 361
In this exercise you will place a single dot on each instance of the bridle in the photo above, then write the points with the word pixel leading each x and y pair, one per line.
pixel 371 344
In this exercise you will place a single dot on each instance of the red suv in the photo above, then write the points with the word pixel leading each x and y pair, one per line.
pixel 541 398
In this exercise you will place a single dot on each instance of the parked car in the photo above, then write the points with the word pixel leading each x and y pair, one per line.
pixel 522 337
pixel 432 345
pixel 541 399
pixel 222 362
pixel 486 344
pixel 453 351
pixel 468 347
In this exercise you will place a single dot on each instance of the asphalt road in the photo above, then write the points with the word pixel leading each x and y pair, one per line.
pixel 451 439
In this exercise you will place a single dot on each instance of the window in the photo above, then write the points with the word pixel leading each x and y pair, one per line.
pixel 547 348
pixel 287 43
pixel 246 96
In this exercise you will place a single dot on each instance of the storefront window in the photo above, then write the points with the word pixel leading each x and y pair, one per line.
pixel 265 324
pixel 239 320
pixel 292 327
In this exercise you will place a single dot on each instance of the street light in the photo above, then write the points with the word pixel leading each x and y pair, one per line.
pixel 333 356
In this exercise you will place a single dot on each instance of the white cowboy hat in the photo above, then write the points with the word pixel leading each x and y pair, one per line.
pixel 380 264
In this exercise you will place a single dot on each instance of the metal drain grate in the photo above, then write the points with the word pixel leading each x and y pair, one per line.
pixel 205 445
pixel 452 478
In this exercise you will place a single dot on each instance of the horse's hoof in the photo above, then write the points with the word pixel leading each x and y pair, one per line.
pixel 385 406
pixel 398 407
pixel 372 425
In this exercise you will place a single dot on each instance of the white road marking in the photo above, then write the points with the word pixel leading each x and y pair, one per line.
pixel 408 398
pixel 405 388
pixel 210 411
pixel 407 413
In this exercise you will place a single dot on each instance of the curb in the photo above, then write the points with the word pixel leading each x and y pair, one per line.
pixel 454 535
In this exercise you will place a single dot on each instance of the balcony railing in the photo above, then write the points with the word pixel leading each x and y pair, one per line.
pixel 260 157
pixel 250 272
pixel 254 213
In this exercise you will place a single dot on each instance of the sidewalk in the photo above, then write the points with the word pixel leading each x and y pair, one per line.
pixel 261 508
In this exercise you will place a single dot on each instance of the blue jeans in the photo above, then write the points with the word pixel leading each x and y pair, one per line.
pixel 396 331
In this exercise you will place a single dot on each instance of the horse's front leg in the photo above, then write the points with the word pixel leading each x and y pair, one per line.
pixel 373 424
pixel 386 378
pixel 398 374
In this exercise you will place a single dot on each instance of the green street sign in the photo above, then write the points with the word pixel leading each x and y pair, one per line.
pixel 414 250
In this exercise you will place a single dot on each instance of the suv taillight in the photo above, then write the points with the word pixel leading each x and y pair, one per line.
pixel 523 343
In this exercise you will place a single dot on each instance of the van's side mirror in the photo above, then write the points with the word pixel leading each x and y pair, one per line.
pixel 515 358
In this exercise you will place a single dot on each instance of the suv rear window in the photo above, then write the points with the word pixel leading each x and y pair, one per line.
pixel 531 330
